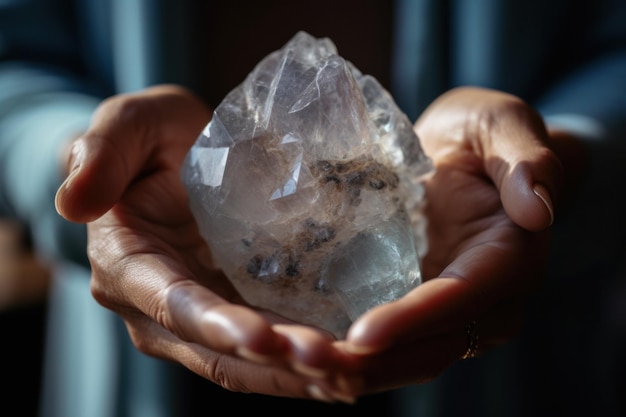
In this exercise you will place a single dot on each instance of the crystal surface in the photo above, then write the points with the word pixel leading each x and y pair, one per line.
pixel 307 185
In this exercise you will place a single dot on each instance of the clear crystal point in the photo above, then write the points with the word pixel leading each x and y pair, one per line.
pixel 307 186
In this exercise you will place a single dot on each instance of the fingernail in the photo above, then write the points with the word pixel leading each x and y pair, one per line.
pixel 345 384
pixel 74 161
pixel 319 394
pixel 70 177
pixel 310 371
pixel 245 353
pixel 344 398
pixel 65 185
pixel 75 156
pixel 360 349
pixel 541 192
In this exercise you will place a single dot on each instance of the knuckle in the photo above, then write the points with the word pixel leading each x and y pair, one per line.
pixel 142 344
pixel 125 110
pixel 98 291
pixel 173 298
pixel 221 372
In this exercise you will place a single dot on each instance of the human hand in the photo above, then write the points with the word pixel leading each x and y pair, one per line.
pixel 489 206
pixel 151 267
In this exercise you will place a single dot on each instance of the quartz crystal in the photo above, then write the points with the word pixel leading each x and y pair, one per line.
pixel 307 185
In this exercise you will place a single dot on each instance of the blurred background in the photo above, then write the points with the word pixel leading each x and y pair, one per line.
pixel 570 359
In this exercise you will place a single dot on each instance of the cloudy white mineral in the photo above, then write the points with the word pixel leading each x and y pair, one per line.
pixel 307 186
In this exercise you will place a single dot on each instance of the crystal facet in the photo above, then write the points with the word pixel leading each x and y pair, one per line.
pixel 307 186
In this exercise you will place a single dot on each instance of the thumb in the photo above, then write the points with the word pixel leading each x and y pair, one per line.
pixel 98 177
pixel 128 132
pixel 526 196
pixel 525 170
pixel 104 161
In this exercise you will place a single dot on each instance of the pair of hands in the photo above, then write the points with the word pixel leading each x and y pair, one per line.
pixel 490 202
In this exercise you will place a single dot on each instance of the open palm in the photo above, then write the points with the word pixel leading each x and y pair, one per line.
pixel 151 267
pixel 488 207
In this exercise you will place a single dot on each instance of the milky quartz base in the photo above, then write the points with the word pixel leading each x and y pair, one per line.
pixel 307 186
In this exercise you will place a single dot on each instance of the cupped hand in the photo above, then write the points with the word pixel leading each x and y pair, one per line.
pixel 150 265
pixel 490 202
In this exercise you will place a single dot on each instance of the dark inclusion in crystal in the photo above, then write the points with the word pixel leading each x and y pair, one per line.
pixel 307 187
pixel 350 176
pixel 310 237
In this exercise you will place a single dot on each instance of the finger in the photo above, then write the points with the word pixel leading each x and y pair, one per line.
pixel 422 359
pixel 437 307
pixel 232 373
pixel 520 163
pixel 90 189
pixel 242 332
pixel 463 292
pixel 160 290
pixel 122 143
pixel 192 314
pixel 411 363
pixel 312 352
pixel 509 140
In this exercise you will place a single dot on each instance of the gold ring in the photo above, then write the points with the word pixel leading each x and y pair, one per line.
pixel 472 340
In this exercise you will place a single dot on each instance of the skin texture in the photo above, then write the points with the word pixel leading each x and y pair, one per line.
pixel 491 201
pixel 488 237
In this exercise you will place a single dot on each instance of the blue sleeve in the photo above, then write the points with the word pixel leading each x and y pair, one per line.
pixel 40 110
pixel 590 98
